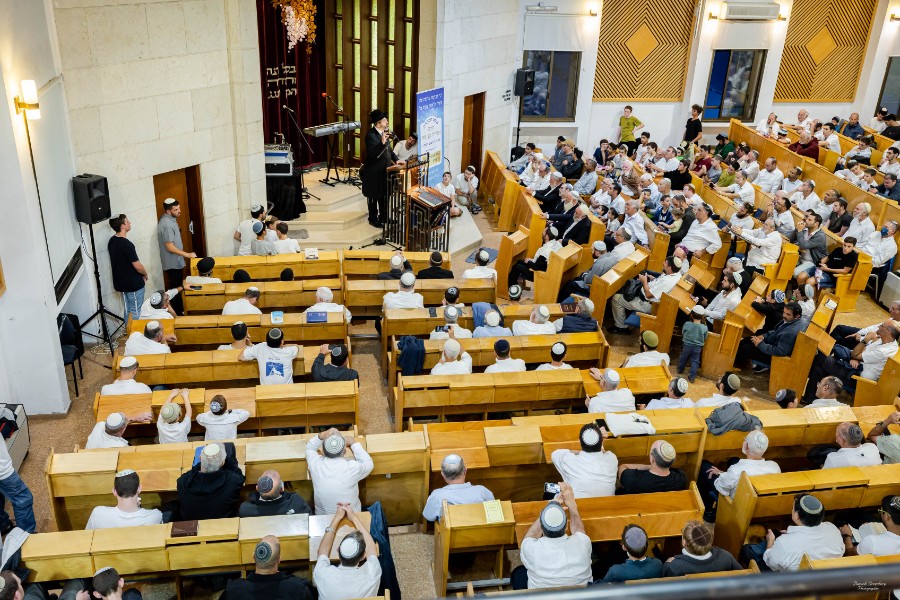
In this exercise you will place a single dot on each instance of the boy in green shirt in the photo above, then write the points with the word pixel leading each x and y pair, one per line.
pixel 693 336
pixel 628 124
pixel 725 146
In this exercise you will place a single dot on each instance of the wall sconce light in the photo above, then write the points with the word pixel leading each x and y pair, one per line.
pixel 28 102
pixel 894 18
pixel 592 12
pixel 781 17
pixel 713 16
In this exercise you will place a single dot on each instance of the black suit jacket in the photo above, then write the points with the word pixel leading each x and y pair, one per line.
pixel 549 197
pixel 580 234
pixel 435 273
pixel 374 171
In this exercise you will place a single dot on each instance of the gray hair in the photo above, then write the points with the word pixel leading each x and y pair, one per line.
pixel 211 464
pixel 568 187
pixel 633 204
pixel 324 294
pixel 452 469
pixel 665 181
pixel 755 154
pixel 556 175
pixel 836 384
pixel 757 442
pixel 626 236
pixel 770 223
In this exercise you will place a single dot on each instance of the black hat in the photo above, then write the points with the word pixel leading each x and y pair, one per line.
pixel 722 136
pixel 376 115
pixel 241 276
pixel 205 265
pixel 414 136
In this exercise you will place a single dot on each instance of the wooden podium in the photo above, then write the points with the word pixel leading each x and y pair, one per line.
pixel 419 215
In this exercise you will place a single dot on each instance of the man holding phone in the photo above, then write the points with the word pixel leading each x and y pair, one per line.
pixel 592 471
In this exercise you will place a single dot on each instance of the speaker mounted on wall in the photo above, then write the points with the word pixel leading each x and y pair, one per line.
pixel 91 198
pixel 524 82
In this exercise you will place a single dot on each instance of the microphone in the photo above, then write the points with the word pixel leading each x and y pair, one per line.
pixel 285 107
pixel 392 134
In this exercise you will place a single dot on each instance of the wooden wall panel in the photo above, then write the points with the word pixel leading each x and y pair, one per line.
pixel 643 51
pixel 824 50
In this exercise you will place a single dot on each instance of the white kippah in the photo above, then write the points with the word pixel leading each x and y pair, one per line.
pixel 538 156
pixel 127 362
pixel 211 450
pixel 735 260
pixel 125 472
pixel 396 261
pixel 215 406
pixel 600 246
pixel 105 569
pixel 553 517
pixel 153 324
pixel 737 278
pixel 336 351
pixel 155 298
pixel 170 412
pixel 349 547
pixel 484 255
pixel 492 318
pixel 334 444
pixel 558 348
pixel 681 385
pixel 256 208
pixel 698 310
pixel 252 288
pixel 168 202
pixel 676 262
pixel 116 420
pixel 452 348
pixel 452 459
pixel 612 376
pixel 553 231
pixel 325 293
pixel 408 279
pixel 590 436
pixel 544 311
pixel 451 312
pixel 588 304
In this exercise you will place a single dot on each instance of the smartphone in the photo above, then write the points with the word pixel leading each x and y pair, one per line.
pixel 196 287
pixel 551 488
pixel 432 311
pixel 443 328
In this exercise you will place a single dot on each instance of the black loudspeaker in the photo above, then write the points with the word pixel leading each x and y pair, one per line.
pixel 524 82
pixel 91 198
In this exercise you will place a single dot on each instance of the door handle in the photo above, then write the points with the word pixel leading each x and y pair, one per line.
pixel 191 227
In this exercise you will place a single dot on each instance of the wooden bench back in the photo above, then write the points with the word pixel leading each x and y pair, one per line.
pixel 513 248
pixel 288 296
pixel 361 264
pixel 261 268
pixel 366 296
pixel 563 266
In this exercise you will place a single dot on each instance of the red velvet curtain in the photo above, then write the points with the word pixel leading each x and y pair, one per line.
pixel 293 78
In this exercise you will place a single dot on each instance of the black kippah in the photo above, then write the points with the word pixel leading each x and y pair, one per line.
pixel 263 552
pixel 265 484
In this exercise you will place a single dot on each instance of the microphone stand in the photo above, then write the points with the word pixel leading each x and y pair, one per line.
pixel 347 139
pixel 304 193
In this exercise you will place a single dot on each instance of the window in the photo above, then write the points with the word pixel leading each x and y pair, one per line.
pixel 890 89
pixel 555 85
pixel 734 85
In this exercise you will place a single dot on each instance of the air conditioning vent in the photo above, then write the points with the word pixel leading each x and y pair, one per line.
pixel 749 11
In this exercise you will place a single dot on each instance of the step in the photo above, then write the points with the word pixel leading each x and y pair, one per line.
pixel 328 221
pixel 342 239
pixel 342 200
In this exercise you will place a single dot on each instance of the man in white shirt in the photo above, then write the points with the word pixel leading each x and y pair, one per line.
pixel 408 148
pixel 749 164
pixel 221 422
pixel 336 479
pixel 157 306
pixel 453 360
pixel 612 398
pixel 240 335
pixel 247 305
pixel 806 198
pixel 352 578
pixel 503 363
pixel 168 427
pixel 275 359
pixel 852 451
pixel 537 324
pixel 634 223
pixel 792 182
pixel 727 385
pixel 457 490
pixel 890 163
pixel 465 186
pixel 652 289
pixel 550 558
pixel 592 471
pixel 152 341
pixel 126 383
pixel 810 535
pixel 557 355
pixel 530 172
pixel 481 270
pixel 742 216
pixel 726 300
pixel 602 196
pixel 205 268
pixel 828 138
pixel 878 544
pixel 713 481
pixel 827 391
pixel 284 244
pixel 587 183
pixel 877 122
pixel 325 303
pixel 666 162
pixel 404 297
pixel 244 233
pixel 765 244
pixel 861 227
pixel 674 397
pixel 108 433
pixel 881 245
pixel 518 165
pixel 780 209
pixel 804 122
pixel 648 356
pixel 127 512
pixel 770 178
pixel 703 236
pixel 741 191
pixel 442 332
pixel 491 327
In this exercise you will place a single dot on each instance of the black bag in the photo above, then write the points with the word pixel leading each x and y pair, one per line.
pixel 631 289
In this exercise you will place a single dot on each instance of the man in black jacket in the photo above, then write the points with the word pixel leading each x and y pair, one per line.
pixel 212 488
pixel 270 499
pixel 399 266
pixel 267 581
pixel 575 227
pixel 760 349
pixel 436 270
pixel 373 173
pixel 338 369
pixel 548 198
pixel 686 221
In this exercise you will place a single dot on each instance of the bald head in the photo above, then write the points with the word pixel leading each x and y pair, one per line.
pixel 267 555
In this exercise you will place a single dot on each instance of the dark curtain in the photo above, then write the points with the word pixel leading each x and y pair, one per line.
pixel 293 78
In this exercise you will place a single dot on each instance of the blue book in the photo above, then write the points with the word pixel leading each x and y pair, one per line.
pixel 316 317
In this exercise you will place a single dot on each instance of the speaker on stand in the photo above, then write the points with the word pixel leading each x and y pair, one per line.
pixel 524 87
pixel 92 206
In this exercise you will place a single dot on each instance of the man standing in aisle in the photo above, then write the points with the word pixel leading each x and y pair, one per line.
pixel 129 275
pixel 171 248
pixel 12 488
pixel 379 157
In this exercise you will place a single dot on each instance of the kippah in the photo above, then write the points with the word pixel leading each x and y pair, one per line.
pixel 127 362
pixel 206 264
pixel 115 420
pixel 265 484
pixel 588 304
pixel 809 291
pixel 170 412
pixel 676 262
pixel 737 278
pixel 153 324
pixel 263 552
pixel 167 202
pixel 778 296
pixel 540 155
pixel 125 473
pixel 396 261
pixel 698 310
pixel 811 505
pixel 600 246
pixel 437 257
pixel 275 333
pixel 515 292
pixel 734 259
pixel 105 569
pixel 452 348
pixel 553 517
pixel 558 348
pixel 256 208
pixel 155 299
pixel 348 548
pixel 211 450
pixel 590 436
pixel 544 311
pixel 733 381
pixel 681 385
pixel 484 255
pixel 451 312
pixel 612 376
pixel 337 351
pixel 334 444
pixel 650 338
pixel 635 537
pixel 554 232
pixel 215 406
pixel 666 450
pixel 701 535
pixel 452 459
pixel 501 346
pixel 258 227
pixel 780 394
pixel 408 279
pixel 452 291
pixel 252 288
pixel 492 318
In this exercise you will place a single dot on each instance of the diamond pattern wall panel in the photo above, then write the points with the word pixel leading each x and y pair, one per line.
pixel 824 50
pixel 643 51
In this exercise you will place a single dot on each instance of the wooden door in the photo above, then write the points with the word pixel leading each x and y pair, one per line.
pixel 473 132
pixel 184 186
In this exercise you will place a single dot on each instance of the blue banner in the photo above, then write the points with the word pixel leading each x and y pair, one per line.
pixel 430 127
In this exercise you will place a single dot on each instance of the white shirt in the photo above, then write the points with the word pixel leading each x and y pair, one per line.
pixel 805 203
pixel 467 187
pixel 506 365
pixel 766 129
pixel 722 303
pixel 791 186
pixel 286 246
pixel 745 192
pixel 866 455
pixel 247 236
pixel 404 153
pixel 877 125
pixel 461 366
pixel 591 474
pixel 727 482
pixel 276 365
pixel 875 356
pixel 769 181
pixel 650 358
pixel 634 224
pixel 336 479
pixel 784 222
pixel 241 306
pixel 330 307
pixel 201 280
pixel 806 123
pixel 881 249
pixel 717 399
pixel 479 272
pixel 832 141
pixel 667 164
pixel 454 493
pixel 660 403
pixel 861 230
pixel 458 333
pixel 825 403
pixel 336 582
pixel 174 433
pixel 550 367
pixel 224 426
pixel 765 248
pixel 110 517
pixel 702 236
pixel 403 299
pixel 557 562
pixel 100 439
pixel 447 190
pixel 546 249
pixel 618 400
pixel 622 250
pixel 882 544
pixel 137 344
pixel 529 328
pixel 121 387
pixel 892 167
pixel 663 284
pixel 735 220
pixel 156 314
pixel 752 170
pixel 822 541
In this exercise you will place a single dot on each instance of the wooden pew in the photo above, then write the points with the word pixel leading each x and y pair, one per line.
pixel 721 347
pixel 564 265
pixel 513 248
pixel 782 271
pixel 288 296
pixel 791 372
pixel 662 321
pixel 770 497
pixel 362 264
pixel 260 268
pixel 605 287
pixel 270 406
pixel 365 297
pixel 883 391
pixel 753 319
